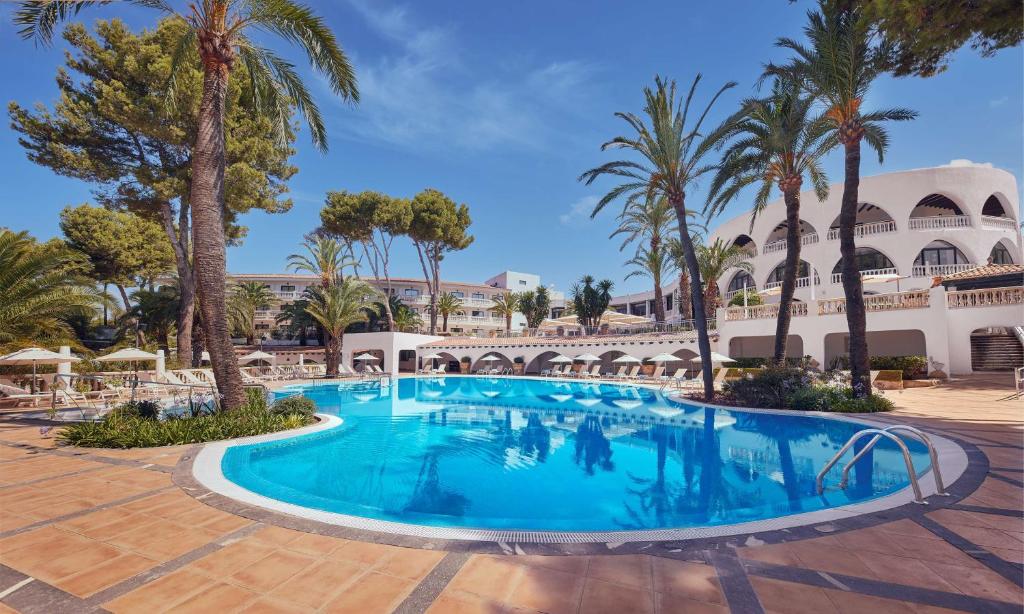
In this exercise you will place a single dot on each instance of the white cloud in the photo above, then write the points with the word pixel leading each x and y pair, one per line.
pixel 423 96
pixel 998 102
pixel 579 212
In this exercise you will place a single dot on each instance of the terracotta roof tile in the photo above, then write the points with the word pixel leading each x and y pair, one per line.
pixel 986 270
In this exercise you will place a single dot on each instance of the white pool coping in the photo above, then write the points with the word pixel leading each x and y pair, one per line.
pixel 207 470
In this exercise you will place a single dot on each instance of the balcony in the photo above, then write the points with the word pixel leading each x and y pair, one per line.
pixel 801 282
pixel 266 314
pixel 287 296
pixel 780 246
pixel 1000 223
pixel 915 299
pixel 988 297
pixel 939 270
pixel 865 230
pixel 763 312
pixel 940 222
pixel 837 278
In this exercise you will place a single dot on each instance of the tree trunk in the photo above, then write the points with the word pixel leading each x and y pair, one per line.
pixel 207 201
pixel 508 323
pixel 435 287
pixel 856 318
pixel 179 239
pixel 444 322
pixel 685 306
pixel 792 268
pixel 697 296
pixel 140 339
pixel 659 303
pixel 710 298
pixel 331 354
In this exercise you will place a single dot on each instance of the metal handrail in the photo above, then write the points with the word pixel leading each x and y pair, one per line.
pixel 819 482
pixel 921 436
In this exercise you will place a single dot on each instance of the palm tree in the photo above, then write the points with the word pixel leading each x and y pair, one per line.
pixel 506 305
pixel 41 289
pixel 715 261
pixel 326 258
pixel 447 304
pixel 652 221
pixel 779 142
pixel 406 319
pixel 158 310
pixel 837 68
pixel 335 307
pixel 588 301
pixel 245 299
pixel 216 37
pixel 656 263
pixel 673 160
pixel 295 319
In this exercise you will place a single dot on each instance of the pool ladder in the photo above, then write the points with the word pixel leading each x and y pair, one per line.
pixel 887 433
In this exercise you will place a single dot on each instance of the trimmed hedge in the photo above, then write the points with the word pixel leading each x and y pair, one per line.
pixel 913 367
pixel 793 388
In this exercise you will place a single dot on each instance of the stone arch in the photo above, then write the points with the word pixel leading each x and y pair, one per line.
pixel 1002 252
pixel 867 213
pixel 503 362
pixel 868 259
pixel 744 240
pixel 607 366
pixel 540 362
pixel 737 281
pixel 779 232
pixel 775 275
pixel 359 365
pixel 937 254
pixel 996 206
pixel 937 205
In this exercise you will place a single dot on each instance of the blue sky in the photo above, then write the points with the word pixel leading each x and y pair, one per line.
pixel 503 105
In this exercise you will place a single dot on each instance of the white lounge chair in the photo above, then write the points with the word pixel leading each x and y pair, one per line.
pixel 621 373
pixel 633 373
pixel 440 370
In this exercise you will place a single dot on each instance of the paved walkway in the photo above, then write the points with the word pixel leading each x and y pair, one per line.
pixel 94 530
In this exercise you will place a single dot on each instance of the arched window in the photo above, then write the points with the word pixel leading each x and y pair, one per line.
pixel 779 232
pixel 935 205
pixel 868 259
pixel 871 219
pixel 940 252
pixel 775 277
pixel 741 280
pixel 746 242
pixel 1000 255
pixel 993 207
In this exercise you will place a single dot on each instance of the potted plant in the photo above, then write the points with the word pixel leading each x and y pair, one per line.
pixel 518 365
pixel 464 364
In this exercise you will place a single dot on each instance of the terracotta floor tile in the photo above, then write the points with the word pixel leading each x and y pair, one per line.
pixel 115 529
pixel 824 557
pixel 173 547
pixel 604 597
pixel 373 592
pixel 491 577
pixel 363 552
pixel 78 561
pixel 315 545
pixel 106 574
pixel 690 580
pixel 275 536
pixel 453 602
pixel 410 564
pixel 792 598
pixel 231 558
pixel 315 586
pixel 979 582
pixel 902 570
pixel 267 573
pixel 675 604
pixel 219 598
pixel 160 594
pixel 778 554
pixel 226 523
pixel 268 605
pixel 569 564
pixel 855 603
pixel 96 519
pixel 1010 555
pixel 936 550
pixel 547 590
pixel 628 569
pixel 906 527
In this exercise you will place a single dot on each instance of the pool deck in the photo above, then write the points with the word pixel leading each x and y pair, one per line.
pixel 102 530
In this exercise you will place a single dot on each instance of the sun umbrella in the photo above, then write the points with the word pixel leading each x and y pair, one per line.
pixel 664 357
pixel 883 278
pixel 627 358
pixel 490 358
pixel 715 358
pixel 588 358
pixel 35 356
pixel 561 358
pixel 432 357
pixel 257 355
pixel 127 355
pixel 366 356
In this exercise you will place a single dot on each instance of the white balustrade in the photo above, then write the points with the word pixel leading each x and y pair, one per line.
pixel 940 270
pixel 940 222
pixel 837 278
pixel 763 312
pixel 1003 223
pixel 801 282
pixel 914 299
pixel 988 297
pixel 865 230
pixel 780 246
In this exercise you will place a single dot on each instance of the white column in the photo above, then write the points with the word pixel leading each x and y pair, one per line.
pixel 302 359
pixel 64 368
pixel 161 365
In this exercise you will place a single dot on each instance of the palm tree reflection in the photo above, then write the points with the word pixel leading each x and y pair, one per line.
pixel 534 438
pixel 592 447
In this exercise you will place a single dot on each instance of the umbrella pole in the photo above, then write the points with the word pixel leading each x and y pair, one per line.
pixel 33 387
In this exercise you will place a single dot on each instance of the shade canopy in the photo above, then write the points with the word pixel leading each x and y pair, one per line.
pixel 882 278
pixel 257 355
pixel 587 358
pixel 433 357
pixel 36 356
pixel 627 358
pixel 366 356
pixel 127 355
pixel 612 318
pixel 560 358
pixel 490 358
pixel 715 357
pixel 664 357
pixel 771 291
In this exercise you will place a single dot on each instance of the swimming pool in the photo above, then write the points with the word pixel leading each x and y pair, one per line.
pixel 546 455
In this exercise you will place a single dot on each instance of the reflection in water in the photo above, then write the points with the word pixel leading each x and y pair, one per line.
pixel 592 447
pixel 429 496
pixel 535 438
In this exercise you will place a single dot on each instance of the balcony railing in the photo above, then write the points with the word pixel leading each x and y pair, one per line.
pixel 837 278
pixel 988 297
pixel 801 282
pixel 424 299
pixel 865 230
pixel 1003 223
pixel 763 312
pixel 266 314
pixel 780 246
pixel 287 296
pixel 940 222
pixel 940 270
pixel 915 299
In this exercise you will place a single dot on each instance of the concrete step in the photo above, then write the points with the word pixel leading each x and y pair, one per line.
pixel 996 353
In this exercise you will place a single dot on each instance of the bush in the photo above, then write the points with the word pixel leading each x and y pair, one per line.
pixel 297 404
pixel 147 410
pixel 753 298
pixel 769 388
pixel 125 427
pixel 912 366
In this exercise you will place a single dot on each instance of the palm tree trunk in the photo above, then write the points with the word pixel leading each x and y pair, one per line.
pixel 792 268
pixel 659 303
pixel 207 201
pixel 856 318
pixel 508 323
pixel 140 340
pixel 444 322
pixel 697 296
pixel 331 354
pixel 685 306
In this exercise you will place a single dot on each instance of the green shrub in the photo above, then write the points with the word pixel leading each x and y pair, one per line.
pixel 769 388
pixel 125 427
pixel 297 404
pixel 753 298
pixel 815 398
pixel 868 405
pixel 912 366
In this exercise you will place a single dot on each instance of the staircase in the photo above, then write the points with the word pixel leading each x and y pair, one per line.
pixel 996 352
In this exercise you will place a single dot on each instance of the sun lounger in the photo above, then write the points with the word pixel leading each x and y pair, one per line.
pixel 440 370
pixel 621 373
pixel 633 373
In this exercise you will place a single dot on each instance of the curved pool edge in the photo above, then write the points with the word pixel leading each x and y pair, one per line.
pixel 206 469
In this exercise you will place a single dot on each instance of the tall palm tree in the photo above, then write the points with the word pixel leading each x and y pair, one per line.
pixel 295 319
pixel 217 37
pixel 652 221
pixel 447 304
pixel 589 300
pixel 673 158
pixel 506 305
pixel 779 142
pixel 655 263
pixel 837 67
pixel 715 261
pixel 326 258
pixel 245 299
pixel 41 289
pixel 406 319
pixel 158 310
pixel 336 307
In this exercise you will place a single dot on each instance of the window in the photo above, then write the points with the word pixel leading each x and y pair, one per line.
pixel 868 259
pixel 940 252
pixel 1000 255
pixel 287 288
pixel 802 273
pixel 458 294
pixel 741 280
pixel 478 314
pixel 668 302
pixel 411 292
pixel 478 295
pixel 522 282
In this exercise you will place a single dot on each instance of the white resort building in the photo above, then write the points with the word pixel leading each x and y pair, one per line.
pixel 923 237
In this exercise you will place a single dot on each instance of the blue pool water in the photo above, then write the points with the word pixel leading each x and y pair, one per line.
pixel 517 453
